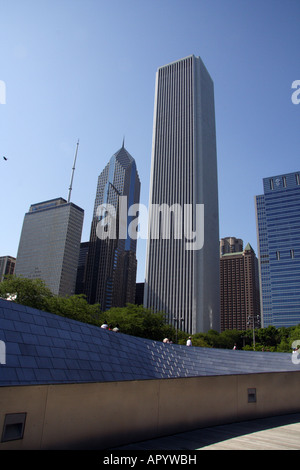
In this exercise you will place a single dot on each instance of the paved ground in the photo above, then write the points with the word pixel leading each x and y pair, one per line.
pixel 275 433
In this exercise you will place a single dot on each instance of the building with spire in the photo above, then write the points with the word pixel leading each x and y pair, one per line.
pixel 239 287
pixel 110 274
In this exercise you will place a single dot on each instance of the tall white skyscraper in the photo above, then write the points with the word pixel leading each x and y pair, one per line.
pixel 182 275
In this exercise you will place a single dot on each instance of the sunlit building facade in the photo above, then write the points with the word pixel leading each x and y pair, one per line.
pixel 239 287
pixel 181 280
pixel 50 243
pixel 278 234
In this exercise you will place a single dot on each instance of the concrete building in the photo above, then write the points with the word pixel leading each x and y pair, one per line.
pixel 111 261
pixel 182 272
pixel 230 245
pixel 278 236
pixel 49 244
pixel 7 266
pixel 239 288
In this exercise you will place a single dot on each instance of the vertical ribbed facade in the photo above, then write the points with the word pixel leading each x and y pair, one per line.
pixel 111 263
pixel 184 283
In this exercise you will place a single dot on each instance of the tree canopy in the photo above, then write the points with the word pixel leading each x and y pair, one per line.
pixel 138 321
pixel 132 319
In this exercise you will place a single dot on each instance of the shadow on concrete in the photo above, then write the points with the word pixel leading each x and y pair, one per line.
pixel 199 438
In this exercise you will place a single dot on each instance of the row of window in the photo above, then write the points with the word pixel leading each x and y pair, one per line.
pixel 292 254
pixel 278 181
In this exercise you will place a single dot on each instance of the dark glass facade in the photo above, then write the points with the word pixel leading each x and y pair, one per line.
pixel 278 229
pixel 110 274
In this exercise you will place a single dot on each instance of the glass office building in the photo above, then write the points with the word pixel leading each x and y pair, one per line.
pixel 50 243
pixel 278 234
pixel 110 274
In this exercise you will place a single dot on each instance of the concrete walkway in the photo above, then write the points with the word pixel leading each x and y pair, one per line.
pixel 274 433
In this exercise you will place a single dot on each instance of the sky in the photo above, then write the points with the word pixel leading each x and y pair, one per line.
pixel 85 69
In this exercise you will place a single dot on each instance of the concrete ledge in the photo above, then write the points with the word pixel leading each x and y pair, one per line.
pixel 105 415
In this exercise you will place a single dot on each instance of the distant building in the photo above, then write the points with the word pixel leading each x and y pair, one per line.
pixel 111 262
pixel 49 245
pixel 7 266
pixel 230 245
pixel 278 233
pixel 239 288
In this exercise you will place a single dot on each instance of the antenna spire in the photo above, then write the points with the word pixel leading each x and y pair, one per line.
pixel 73 170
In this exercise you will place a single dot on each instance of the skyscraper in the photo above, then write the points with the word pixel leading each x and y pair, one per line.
pixel 49 244
pixel 239 286
pixel 278 235
pixel 111 261
pixel 182 279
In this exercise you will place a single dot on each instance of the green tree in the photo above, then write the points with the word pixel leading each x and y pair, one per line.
pixel 268 337
pixel 138 321
pixel 293 336
pixel 229 338
pixel 30 292
pixel 75 307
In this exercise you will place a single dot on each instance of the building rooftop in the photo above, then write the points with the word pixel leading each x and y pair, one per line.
pixel 43 348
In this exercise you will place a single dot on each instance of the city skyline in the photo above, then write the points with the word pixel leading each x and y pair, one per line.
pixel 85 79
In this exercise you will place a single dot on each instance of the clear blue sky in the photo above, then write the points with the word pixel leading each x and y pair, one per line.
pixel 86 69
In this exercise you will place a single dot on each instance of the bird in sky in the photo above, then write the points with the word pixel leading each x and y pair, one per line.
pixel 4 158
